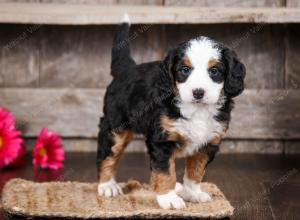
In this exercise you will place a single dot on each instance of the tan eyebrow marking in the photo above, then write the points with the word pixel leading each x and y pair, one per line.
pixel 212 62
pixel 187 62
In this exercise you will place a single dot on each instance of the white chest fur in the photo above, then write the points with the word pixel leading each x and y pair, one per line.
pixel 199 125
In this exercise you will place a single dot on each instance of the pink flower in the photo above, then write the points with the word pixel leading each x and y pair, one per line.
pixel 48 151
pixel 11 144
pixel 6 118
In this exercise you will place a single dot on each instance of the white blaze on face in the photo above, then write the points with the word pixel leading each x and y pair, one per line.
pixel 199 53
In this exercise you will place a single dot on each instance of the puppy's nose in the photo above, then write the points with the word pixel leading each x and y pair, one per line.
pixel 198 93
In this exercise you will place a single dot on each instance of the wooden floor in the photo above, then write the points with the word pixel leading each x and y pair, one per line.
pixel 258 186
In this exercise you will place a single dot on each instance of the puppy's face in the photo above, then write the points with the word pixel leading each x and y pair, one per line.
pixel 204 70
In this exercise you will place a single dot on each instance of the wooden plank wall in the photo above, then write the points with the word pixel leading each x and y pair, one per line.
pixel 55 76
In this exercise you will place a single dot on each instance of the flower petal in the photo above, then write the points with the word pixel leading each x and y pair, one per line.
pixel 50 144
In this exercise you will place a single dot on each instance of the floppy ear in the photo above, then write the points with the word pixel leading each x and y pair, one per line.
pixel 169 64
pixel 236 71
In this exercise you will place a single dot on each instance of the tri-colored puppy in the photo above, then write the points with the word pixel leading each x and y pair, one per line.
pixel 181 105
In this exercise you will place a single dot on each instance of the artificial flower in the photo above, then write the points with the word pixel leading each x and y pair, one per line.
pixel 11 144
pixel 6 118
pixel 48 151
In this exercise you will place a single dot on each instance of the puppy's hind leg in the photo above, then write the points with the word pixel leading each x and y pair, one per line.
pixel 110 148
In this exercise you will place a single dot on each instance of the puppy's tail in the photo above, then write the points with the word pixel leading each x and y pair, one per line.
pixel 121 59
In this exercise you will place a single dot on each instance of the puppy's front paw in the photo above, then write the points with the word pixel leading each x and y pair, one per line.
pixel 170 200
pixel 178 187
pixel 109 189
pixel 198 197
pixel 192 195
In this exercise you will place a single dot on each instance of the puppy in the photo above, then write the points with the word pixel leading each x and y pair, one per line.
pixel 181 105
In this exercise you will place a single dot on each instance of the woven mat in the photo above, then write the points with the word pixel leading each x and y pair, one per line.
pixel 80 200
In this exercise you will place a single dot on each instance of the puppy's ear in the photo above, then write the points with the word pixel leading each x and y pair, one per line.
pixel 236 71
pixel 169 64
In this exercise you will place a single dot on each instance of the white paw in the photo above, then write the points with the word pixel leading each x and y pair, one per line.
pixel 178 187
pixel 192 195
pixel 196 197
pixel 170 200
pixel 109 189
pixel 192 192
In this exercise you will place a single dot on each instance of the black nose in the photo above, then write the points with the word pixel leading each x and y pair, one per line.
pixel 198 93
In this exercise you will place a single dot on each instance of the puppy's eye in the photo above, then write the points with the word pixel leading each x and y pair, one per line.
pixel 185 70
pixel 213 71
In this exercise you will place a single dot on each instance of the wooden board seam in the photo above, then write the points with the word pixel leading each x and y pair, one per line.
pixel 79 14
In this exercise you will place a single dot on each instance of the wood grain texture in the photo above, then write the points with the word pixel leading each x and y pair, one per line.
pixel 292 57
pixel 93 2
pixel 106 2
pixel 67 56
pixel 244 177
pixel 293 3
pixel 266 114
pixel 83 14
pixel 286 191
pixel 292 147
pixel 80 57
pixel 75 57
pixel 70 112
pixel 19 57
pixel 20 1
pixel 226 3
pixel 251 146
pixel 253 43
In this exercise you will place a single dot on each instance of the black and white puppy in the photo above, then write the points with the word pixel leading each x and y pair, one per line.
pixel 181 105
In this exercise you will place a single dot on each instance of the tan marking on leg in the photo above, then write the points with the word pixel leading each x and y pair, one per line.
pixel 195 166
pixel 211 63
pixel 179 152
pixel 108 166
pixel 167 125
pixel 163 182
